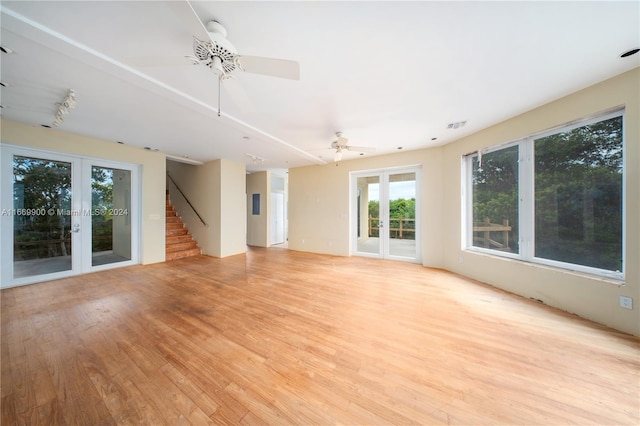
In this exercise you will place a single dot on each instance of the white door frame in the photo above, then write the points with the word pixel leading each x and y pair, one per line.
pixel 86 225
pixel 383 175
pixel 80 218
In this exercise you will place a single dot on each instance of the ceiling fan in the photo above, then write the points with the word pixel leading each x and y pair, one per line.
pixel 212 49
pixel 340 145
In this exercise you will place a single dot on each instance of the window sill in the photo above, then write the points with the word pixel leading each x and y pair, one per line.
pixel 618 282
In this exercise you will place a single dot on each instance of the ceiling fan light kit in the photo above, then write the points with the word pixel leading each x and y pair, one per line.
pixel 217 53
pixel 222 58
pixel 340 145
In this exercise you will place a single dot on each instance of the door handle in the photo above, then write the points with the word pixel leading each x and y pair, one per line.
pixel 76 228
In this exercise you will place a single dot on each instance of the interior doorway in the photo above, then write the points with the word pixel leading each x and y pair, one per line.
pixel 278 211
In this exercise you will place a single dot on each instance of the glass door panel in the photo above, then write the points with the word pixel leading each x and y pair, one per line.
pixel 402 215
pixel 368 215
pixel 110 215
pixel 385 211
pixel 43 240
pixel 64 215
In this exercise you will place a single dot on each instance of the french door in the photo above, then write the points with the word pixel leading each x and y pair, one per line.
pixel 385 219
pixel 64 215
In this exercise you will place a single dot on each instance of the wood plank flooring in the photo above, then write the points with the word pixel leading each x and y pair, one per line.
pixel 282 337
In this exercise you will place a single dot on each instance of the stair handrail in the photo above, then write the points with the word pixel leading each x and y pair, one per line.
pixel 187 200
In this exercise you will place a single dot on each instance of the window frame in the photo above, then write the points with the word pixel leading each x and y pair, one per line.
pixel 526 193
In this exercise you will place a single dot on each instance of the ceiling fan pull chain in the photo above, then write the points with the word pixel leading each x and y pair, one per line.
pixel 219 87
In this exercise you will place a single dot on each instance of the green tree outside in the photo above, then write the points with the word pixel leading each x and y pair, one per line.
pixel 577 194
pixel 400 208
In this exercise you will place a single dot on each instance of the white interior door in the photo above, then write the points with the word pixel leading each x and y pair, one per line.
pixel 385 218
pixel 277 217
pixel 57 208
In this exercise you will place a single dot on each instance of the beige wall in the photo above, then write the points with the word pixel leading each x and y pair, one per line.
pixel 319 205
pixel 233 201
pixel 587 296
pixel 319 209
pixel 152 173
pixel 258 225
pixel 217 191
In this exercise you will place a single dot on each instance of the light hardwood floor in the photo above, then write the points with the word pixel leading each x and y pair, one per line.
pixel 282 337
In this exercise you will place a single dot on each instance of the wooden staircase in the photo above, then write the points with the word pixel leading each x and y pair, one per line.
pixel 179 243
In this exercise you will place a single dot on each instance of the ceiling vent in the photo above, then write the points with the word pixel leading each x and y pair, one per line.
pixel 456 125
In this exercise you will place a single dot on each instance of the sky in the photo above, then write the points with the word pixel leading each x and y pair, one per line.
pixel 405 189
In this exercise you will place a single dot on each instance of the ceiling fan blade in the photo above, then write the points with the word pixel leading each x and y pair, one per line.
pixel 237 93
pixel 364 149
pixel 268 66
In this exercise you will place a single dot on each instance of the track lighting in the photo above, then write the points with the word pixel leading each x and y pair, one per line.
pixel 255 159
pixel 69 102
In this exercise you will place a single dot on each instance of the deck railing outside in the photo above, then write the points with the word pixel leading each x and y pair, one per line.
pixel 484 230
pixel 401 228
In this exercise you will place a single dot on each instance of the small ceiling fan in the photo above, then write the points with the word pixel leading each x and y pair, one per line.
pixel 340 145
pixel 211 48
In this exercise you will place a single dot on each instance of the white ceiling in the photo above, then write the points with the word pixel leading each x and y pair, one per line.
pixel 387 74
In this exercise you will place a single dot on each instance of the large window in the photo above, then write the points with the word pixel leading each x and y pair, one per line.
pixel 495 200
pixel 554 198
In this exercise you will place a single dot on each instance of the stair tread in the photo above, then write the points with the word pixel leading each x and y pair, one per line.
pixel 176 232
pixel 174 225
pixel 183 253
pixel 182 238
pixel 175 244
pixel 180 246
pixel 178 242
